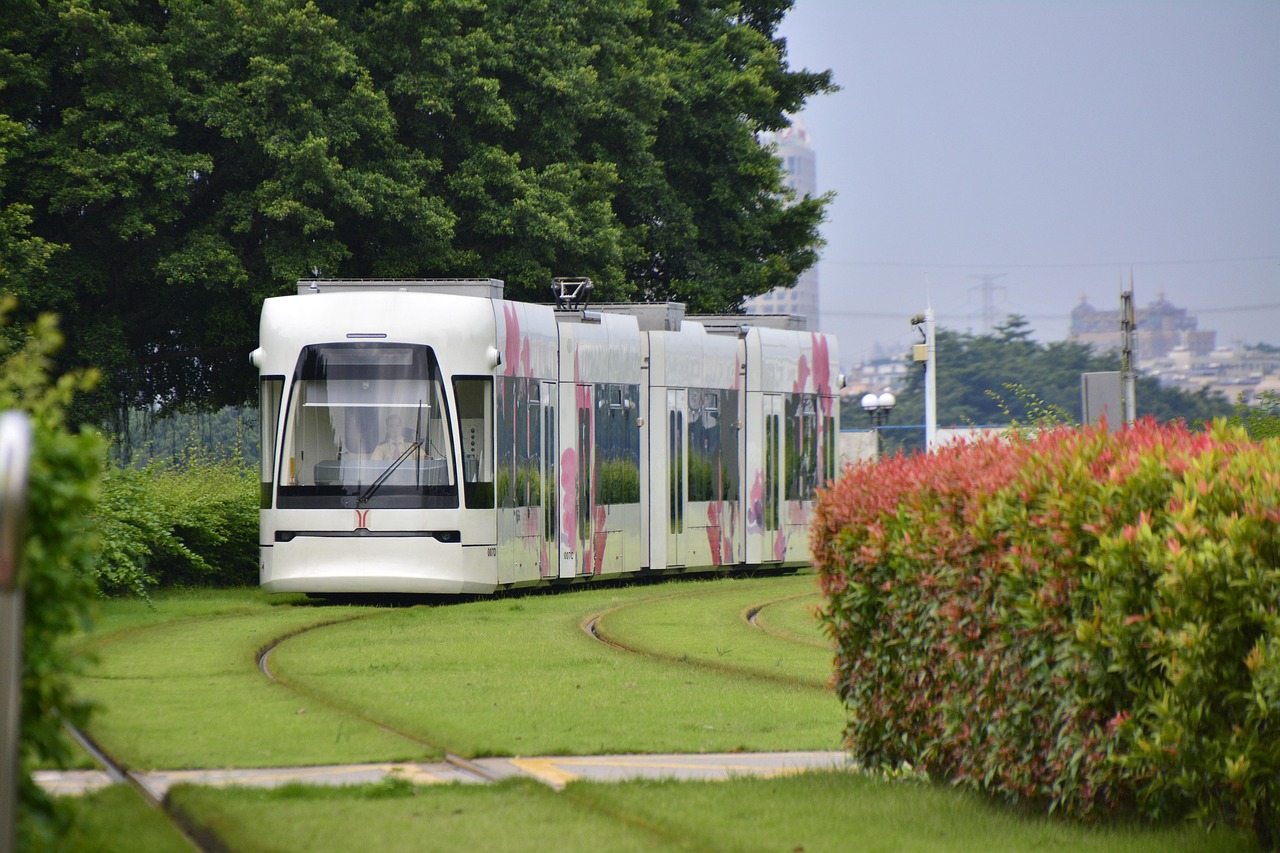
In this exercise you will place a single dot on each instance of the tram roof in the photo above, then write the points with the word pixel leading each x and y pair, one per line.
pixel 483 288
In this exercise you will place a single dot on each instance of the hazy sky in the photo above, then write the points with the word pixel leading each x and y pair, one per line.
pixel 1054 146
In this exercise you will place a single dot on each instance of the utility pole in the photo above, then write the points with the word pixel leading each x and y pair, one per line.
pixel 988 288
pixel 1128 351
pixel 927 353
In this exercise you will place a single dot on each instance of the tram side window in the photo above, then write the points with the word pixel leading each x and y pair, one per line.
pixel 770 472
pixel 617 445
pixel 829 446
pixel 706 470
pixel 793 449
pixel 729 474
pixel 801 447
pixel 529 489
pixel 474 396
pixel 271 395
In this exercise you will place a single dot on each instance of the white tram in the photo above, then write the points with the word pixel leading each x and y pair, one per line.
pixel 433 437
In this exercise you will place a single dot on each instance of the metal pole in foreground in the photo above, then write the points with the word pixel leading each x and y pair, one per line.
pixel 931 384
pixel 15 456
pixel 926 353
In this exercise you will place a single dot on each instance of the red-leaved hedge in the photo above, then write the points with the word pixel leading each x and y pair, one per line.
pixel 1085 620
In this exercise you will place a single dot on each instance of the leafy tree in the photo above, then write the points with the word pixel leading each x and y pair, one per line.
pixel 197 156
pixel 977 372
pixel 58 559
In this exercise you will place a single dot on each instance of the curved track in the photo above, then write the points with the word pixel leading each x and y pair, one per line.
pixel 118 771
pixel 456 761
pixel 592 627
pixel 753 613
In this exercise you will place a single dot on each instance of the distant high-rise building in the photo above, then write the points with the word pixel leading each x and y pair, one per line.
pixel 801 175
pixel 1162 327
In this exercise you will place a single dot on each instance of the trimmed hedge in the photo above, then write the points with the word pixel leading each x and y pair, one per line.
pixel 1084 621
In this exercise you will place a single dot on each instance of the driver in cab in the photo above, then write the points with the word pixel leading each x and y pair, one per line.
pixel 395 442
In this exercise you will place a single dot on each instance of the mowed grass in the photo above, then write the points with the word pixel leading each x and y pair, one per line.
pixel 117 820
pixel 706 624
pixel 796 619
pixel 522 677
pixel 518 814
pixel 176 685
pixel 826 811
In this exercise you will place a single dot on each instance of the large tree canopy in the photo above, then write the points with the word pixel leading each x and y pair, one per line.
pixel 164 166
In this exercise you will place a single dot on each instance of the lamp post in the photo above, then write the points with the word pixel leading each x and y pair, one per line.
pixel 878 407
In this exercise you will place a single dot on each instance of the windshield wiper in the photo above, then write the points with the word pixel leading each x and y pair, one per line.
pixel 377 484
pixel 414 445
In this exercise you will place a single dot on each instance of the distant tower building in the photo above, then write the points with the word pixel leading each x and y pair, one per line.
pixel 801 175
pixel 1162 326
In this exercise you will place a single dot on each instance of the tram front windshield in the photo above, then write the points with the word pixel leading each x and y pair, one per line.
pixel 367 425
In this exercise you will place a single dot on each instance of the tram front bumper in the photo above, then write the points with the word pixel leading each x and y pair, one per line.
pixel 319 563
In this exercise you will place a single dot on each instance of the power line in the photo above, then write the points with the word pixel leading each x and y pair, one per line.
pixel 881 315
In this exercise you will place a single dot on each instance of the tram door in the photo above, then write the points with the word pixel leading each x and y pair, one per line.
pixel 677 465
pixel 547 560
pixel 774 462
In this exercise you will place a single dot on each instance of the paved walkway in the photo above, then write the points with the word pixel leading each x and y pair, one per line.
pixel 556 771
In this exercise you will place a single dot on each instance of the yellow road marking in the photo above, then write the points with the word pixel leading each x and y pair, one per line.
pixel 546 770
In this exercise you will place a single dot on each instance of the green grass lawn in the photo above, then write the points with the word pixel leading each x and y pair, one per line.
pixel 705 624
pixel 830 811
pixel 521 676
pixel 178 686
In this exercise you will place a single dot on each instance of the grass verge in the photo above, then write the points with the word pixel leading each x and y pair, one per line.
pixel 177 686
pixel 704 623
pixel 796 619
pixel 118 820
pixel 521 677
pixel 814 812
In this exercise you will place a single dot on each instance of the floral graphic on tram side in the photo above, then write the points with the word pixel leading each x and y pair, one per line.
pixel 822 371
pixel 569 499
pixel 755 510
pixel 516 359
pixel 720 531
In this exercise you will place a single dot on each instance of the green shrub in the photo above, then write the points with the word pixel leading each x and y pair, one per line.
pixel 1086 621
pixel 1262 419
pixel 60 550
pixel 192 521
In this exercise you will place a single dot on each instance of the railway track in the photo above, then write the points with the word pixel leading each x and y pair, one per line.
pixel 463 765
pixel 465 769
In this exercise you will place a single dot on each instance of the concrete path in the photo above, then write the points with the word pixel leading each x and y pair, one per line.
pixel 556 771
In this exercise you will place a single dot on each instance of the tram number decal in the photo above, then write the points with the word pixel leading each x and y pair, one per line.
pixel 493 552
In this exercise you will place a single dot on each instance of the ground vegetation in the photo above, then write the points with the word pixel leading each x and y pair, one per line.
pixel 1083 621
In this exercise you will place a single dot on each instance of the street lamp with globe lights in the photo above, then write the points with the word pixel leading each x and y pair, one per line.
pixel 878 407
